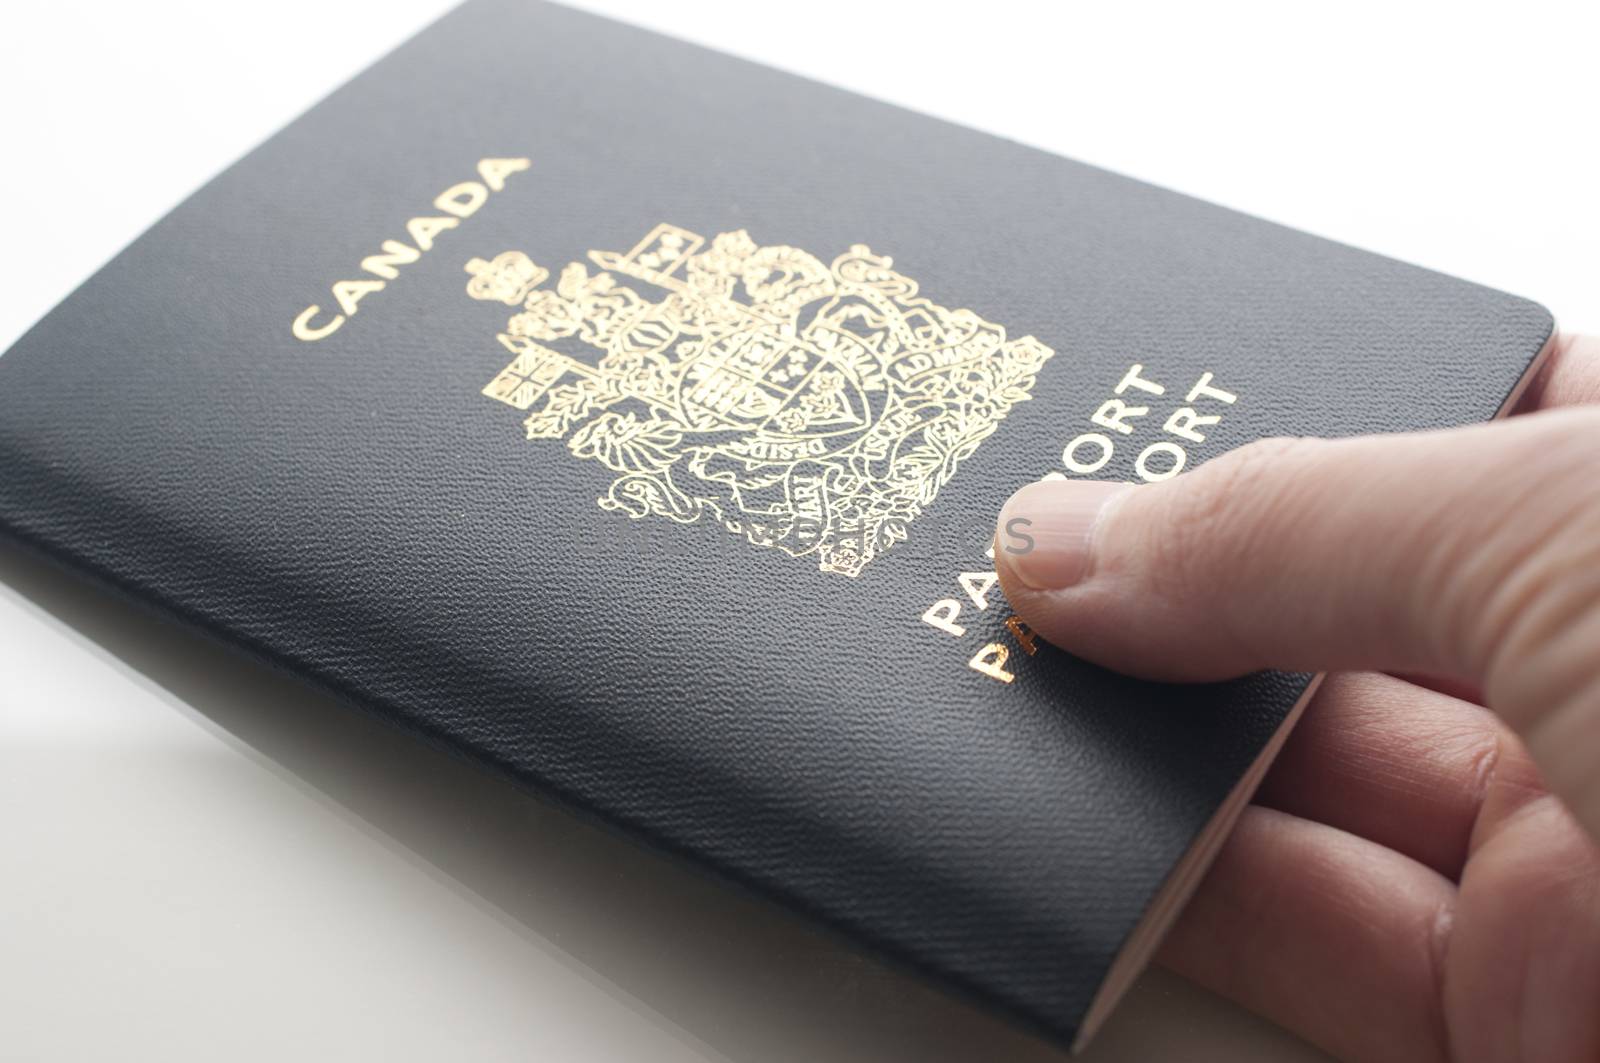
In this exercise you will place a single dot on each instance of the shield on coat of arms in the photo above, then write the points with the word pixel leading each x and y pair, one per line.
pixel 811 408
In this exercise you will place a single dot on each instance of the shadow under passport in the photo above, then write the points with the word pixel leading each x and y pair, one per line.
pixel 737 973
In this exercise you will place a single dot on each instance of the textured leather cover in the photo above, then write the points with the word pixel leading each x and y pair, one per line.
pixel 356 509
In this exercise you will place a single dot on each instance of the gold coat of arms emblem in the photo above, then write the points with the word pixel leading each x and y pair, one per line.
pixel 811 408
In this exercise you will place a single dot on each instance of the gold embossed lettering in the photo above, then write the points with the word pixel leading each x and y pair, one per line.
pixel 1115 413
pixel 991 662
pixel 942 615
pixel 424 229
pixel 462 200
pixel 495 171
pixel 977 585
pixel 350 293
pixel 1175 458
pixel 305 330
pixel 456 202
pixel 1099 447
pixel 1204 390
pixel 394 254
pixel 1132 379
pixel 1023 634
pixel 1184 422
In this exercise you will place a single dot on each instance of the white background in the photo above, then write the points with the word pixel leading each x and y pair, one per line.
pixel 201 861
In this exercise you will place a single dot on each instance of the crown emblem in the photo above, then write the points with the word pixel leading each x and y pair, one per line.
pixel 810 408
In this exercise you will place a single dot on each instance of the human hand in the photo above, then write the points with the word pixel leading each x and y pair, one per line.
pixel 1419 878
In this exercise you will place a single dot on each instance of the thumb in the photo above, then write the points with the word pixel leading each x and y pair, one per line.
pixel 1471 554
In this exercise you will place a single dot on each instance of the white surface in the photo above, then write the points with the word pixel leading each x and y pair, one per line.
pixel 202 861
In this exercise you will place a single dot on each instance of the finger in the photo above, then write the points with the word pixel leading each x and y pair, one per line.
pixel 1395 553
pixel 1393 763
pixel 1570 377
pixel 1330 935
pixel 1471 554
pixel 1460 689
pixel 1522 971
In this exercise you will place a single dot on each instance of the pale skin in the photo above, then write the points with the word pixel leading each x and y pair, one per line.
pixel 1419 877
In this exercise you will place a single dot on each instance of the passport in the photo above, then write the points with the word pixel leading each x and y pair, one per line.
pixel 631 419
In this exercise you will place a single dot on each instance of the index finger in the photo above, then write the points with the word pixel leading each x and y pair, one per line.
pixel 1569 377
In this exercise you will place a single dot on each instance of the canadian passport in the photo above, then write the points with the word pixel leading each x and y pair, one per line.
pixel 632 420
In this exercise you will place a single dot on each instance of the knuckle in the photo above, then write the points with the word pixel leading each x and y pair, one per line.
pixel 1542 617
pixel 1224 509
pixel 1537 589
pixel 1256 468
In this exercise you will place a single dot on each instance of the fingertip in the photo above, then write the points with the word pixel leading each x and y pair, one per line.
pixel 1045 533
pixel 1056 547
